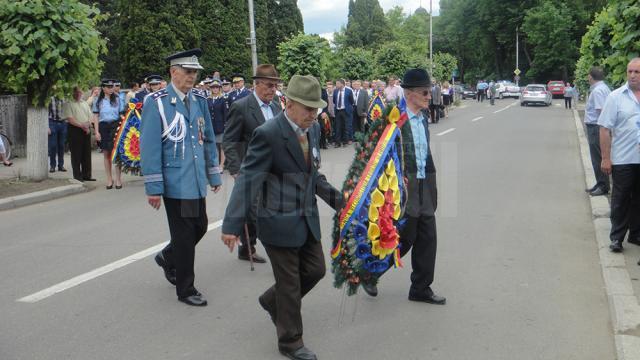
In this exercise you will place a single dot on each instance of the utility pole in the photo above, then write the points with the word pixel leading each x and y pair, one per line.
pixel 252 39
pixel 517 57
pixel 431 35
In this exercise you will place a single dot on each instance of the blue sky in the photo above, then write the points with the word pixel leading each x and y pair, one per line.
pixel 327 16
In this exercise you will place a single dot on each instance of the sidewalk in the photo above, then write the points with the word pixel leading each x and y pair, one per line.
pixel 621 272
pixel 70 188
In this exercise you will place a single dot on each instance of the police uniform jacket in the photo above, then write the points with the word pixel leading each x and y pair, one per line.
pixel 141 94
pixel 178 169
pixel 237 95
pixel 275 171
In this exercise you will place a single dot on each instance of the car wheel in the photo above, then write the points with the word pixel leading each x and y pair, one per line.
pixel 501 96
pixel 521 104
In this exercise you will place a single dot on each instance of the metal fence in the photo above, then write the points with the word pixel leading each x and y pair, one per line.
pixel 13 122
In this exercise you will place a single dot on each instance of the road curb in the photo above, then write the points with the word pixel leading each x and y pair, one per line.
pixel 13 202
pixel 623 303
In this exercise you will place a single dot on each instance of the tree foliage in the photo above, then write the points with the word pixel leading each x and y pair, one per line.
pixel 47 47
pixel 481 34
pixel 356 63
pixel 611 41
pixel 367 25
pixel 443 66
pixel 140 34
pixel 303 55
pixel 549 28
pixel 392 59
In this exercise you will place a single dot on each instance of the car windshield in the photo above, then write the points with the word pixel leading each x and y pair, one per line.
pixel 535 88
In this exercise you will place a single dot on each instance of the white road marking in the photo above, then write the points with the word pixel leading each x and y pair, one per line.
pixel 68 284
pixel 446 132
pixel 478 118
pixel 505 108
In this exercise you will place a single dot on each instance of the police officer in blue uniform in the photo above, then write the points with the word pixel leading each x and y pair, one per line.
pixel 179 160
pixel 153 81
pixel 226 90
pixel 239 90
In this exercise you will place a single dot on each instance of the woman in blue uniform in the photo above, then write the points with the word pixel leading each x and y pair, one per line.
pixel 218 110
pixel 106 118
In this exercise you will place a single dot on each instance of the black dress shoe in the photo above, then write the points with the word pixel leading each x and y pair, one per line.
pixel 88 179
pixel 52 170
pixel 194 300
pixel 635 241
pixel 427 296
pixel 302 353
pixel 266 308
pixel 370 289
pixel 616 246
pixel 256 258
pixel 169 273
pixel 598 192
pixel 593 188
pixel 62 169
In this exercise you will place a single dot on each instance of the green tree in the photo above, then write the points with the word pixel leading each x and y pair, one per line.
pixel 367 25
pixel 443 66
pixel 611 41
pixel 143 44
pixel 303 55
pixel 392 59
pixel 285 20
pixel 46 47
pixel 549 28
pixel 356 63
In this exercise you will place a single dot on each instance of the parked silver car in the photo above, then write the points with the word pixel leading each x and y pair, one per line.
pixel 535 94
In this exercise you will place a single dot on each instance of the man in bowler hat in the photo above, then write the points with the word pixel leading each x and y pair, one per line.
pixel 419 231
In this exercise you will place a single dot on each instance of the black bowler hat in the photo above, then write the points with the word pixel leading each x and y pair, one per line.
pixel 416 78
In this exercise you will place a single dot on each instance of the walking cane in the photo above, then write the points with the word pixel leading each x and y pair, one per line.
pixel 246 236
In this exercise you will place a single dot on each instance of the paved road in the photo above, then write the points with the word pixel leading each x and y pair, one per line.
pixel 517 261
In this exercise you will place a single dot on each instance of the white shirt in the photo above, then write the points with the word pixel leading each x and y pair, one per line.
pixel 621 114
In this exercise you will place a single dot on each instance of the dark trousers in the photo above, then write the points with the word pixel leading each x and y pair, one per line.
pixel 342 131
pixel 296 272
pixel 357 124
pixel 420 236
pixel 567 103
pixel 187 225
pixel 252 228
pixel 625 202
pixel 434 111
pixel 80 148
pixel 323 135
pixel 56 143
pixel 593 137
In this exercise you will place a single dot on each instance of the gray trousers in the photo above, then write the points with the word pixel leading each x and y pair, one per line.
pixel 593 137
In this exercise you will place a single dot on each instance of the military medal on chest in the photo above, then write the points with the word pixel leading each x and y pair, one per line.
pixel 200 130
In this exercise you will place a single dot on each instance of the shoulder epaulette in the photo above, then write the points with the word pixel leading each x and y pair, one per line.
pixel 199 92
pixel 158 94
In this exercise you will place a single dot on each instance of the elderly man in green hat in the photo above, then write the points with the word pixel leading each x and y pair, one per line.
pixel 282 165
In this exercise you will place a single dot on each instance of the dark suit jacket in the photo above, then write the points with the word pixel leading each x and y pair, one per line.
pixel 430 198
pixel 349 101
pixel 243 117
pixel 362 102
pixel 275 169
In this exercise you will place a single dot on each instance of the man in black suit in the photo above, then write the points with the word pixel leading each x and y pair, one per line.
pixel 343 103
pixel 245 115
pixel 361 97
pixel 419 230
pixel 282 165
